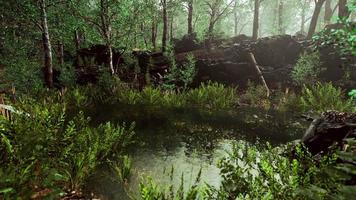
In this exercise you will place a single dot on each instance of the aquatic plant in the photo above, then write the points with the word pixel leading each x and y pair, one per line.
pixel 122 169
pixel 322 97
pixel 149 190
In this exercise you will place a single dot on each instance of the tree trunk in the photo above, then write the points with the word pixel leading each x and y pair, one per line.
pixel 211 27
pixel 328 12
pixel 165 26
pixel 315 17
pixel 280 17
pixel 77 39
pixel 302 25
pixel 111 63
pixel 153 34
pixel 256 20
pixel 343 10
pixel 171 36
pixel 190 17
pixel 236 20
pixel 60 53
pixel 259 73
pixel 47 49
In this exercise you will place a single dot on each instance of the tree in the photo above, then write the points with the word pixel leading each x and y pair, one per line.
pixel 216 11
pixel 190 16
pixel 35 12
pixel 315 17
pixel 328 12
pixel 343 10
pixel 256 21
pixel 281 28
pixel 165 24
pixel 47 48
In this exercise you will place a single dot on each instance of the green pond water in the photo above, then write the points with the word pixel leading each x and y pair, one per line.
pixel 188 140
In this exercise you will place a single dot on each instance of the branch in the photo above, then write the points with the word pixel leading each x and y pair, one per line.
pixel 223 11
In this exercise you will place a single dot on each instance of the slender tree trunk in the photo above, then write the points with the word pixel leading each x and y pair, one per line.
pixel 165 26
pixel 190 17
pixel 77 39
pixel 315 17
pixel 302 25
pixel 60 53
pixel 153 34
pixel 343 10
pixel 171 30
pixel 211 28
pixel 236 20
pixel 328 12
pixel 256 20
pixel 280 17
pixel 47 48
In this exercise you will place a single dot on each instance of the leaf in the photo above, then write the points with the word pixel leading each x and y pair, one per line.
pixel 7 190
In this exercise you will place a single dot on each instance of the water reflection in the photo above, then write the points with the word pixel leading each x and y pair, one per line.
pixel 187 140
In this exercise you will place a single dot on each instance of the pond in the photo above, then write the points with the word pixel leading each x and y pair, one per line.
pixel 187 140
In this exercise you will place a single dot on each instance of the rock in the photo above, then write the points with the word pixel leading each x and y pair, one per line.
pixel 333 127
pixel 187 43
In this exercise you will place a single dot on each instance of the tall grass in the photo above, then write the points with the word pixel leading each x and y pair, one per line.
pixel 212 96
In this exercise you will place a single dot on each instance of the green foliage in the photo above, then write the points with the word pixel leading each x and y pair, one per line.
pixel 342 39
pixel 249 173
pixel 25 75
pixel 179 77
pixel 189 71
pixel 352 94
pixel 122 169
pixel 307 69
pixel 43 150
pixel 67 76
pixel 267 173
pixel 212 96
pixel 322 97
pixel 149 190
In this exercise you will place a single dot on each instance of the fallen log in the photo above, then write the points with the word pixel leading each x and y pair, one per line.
pixel 259 73
pixel 332 128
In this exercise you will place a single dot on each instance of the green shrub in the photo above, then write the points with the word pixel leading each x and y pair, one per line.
pixel 179 76
pixel 307 69
pixel 322 97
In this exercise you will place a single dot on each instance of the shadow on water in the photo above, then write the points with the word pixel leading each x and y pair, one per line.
pixel 186 139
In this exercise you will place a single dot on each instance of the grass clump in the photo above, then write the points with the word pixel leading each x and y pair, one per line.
pixel 322 97
pixel 212 96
